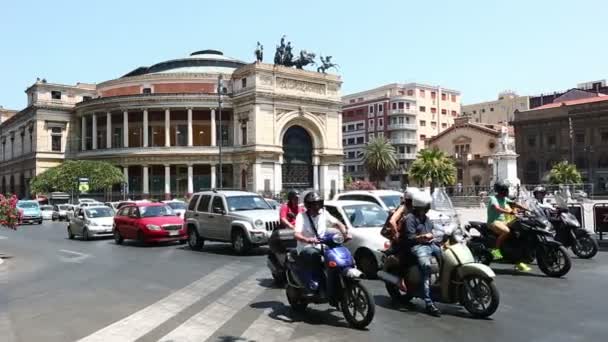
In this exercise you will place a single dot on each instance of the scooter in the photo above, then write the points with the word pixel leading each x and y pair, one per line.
pixel 281 242
pixel 456 278
pixel 337 283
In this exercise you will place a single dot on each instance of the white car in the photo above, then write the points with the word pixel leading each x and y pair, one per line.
pixel 387 199
pixel 179 207
pixel 364 221
pixel 91 222
pixel 47 212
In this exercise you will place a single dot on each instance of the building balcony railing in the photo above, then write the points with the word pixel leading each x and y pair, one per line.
pixel 402 126
pixel 404 141
pixel 406 156
pixel 408 111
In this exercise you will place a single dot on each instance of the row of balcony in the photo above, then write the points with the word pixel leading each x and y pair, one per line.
pixel 398 126
pixel 403 141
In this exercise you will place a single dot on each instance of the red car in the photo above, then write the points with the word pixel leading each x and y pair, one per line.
pixel 148 222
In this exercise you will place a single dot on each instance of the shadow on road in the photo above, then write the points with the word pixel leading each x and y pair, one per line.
pixel 268 283
pixel 284 313
pixel 416 307
pixel 513 272
pixel 134 243
pixel 226 249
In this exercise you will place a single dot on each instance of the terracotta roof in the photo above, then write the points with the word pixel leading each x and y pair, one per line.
pixel 599 98
pixel 474 125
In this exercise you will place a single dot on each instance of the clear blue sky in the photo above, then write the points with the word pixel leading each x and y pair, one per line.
pixel 477 47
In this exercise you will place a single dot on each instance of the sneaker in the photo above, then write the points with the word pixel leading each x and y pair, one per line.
pixel 402 285
pixel 432 310
pixel 496 254
pixel 522 267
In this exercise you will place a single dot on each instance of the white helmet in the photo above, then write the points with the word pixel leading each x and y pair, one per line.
pixel 409 193
pixel 421 199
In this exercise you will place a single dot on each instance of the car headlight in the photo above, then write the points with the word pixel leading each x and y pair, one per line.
pixel 152 227
pixel 259 224
pixel 92 224
pixel 338 239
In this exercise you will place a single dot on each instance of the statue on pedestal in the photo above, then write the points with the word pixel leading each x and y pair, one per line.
pixel 259 53
pixel 326 64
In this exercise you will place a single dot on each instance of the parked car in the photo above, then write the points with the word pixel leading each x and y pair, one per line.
pixel 125 203
pixel 243 218
pixel 364 221
pixel 47 211
pixel 179 207
pixel 86 200
pixel 387 199
pixel 92 221
pixel 273 203
pixel 148 222
pixel 30 211
pixel 60 211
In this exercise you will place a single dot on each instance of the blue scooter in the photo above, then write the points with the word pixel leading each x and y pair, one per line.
pixel 337 283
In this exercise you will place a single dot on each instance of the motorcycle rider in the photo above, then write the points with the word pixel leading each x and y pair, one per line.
pixel 499 206
pixel 402 211
pixel 419 236
pixel 290 210
pixel 310 225
pixel 539 193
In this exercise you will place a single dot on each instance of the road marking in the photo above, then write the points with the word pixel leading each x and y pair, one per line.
pixel 75 256
pixel 143 321
pixel 205 323
pixel 3 237
pixel 269 329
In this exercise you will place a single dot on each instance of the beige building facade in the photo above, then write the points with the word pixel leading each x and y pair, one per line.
pixel 497 112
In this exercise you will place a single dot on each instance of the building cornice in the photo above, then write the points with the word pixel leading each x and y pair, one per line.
pixel 141 101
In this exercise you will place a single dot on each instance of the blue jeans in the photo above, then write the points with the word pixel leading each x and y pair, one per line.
pixel 424 254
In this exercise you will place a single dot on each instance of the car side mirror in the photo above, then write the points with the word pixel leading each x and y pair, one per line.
pixel 81 216
pixel 220 211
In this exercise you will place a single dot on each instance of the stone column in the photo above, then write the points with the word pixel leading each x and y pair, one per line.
pixel 83 133
pixel 189 126
pixel 213 127
pixel 145 123
pixel 278 177
pixel 167 127
pixel 315 173
pixel 94 133
pixel 324 181
pixel 125 172
pixel 145 181
pixel 125 129
pixel 236 134
pixel 190 180
pixel 213 176
pixel 167 182
pixel 108 130
pixel 257 177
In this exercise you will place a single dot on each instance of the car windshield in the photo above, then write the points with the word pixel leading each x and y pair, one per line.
pixel 156 210
pixel 241 203
pixel 177 205
pixel 46 207
pixel 27 205
pixel 365 215
pixel 392 201
pixel 99 212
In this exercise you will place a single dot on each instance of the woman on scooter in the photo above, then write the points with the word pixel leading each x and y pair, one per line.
pixel 290 210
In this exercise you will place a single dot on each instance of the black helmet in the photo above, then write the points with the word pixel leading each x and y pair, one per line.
pixel 312 198
pixel 501 187
pixel 292 194
pixel 539 189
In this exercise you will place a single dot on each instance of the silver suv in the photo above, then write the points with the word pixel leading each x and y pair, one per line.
pixel 243 218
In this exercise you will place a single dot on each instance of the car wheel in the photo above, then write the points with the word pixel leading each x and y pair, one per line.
pixel 117 237
pixel 85 234
pixel 240 243
pixel 70 234
pixel 367 263
pixel 194 240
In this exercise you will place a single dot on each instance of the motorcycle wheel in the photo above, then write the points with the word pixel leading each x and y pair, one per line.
pixel 295 300
pixel 479 296
pixel 358 305
pixel 585 247
pixel 554 261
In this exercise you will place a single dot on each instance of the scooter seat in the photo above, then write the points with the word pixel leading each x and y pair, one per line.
pixel 478 224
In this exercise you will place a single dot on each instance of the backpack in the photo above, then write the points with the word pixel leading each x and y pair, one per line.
pixel 386 230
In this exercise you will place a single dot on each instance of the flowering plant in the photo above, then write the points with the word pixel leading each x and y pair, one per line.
pixel 361 185
pixel 10 216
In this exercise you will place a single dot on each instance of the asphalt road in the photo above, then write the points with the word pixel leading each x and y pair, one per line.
pixel 55 289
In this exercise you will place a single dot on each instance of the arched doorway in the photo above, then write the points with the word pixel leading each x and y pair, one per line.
pixel 297 159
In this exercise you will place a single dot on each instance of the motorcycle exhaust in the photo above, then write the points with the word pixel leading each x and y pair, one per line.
pixel 389 278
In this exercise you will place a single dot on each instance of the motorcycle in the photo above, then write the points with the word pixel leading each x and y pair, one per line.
pixel 280 243
pixel 338 283
pixel 456 278
pixel 568 230
pixel 530 238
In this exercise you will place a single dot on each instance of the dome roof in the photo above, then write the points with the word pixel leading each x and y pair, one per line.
pixel 204 61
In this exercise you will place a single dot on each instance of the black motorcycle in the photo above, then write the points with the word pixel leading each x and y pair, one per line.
pixel 569 232
pixel 530 238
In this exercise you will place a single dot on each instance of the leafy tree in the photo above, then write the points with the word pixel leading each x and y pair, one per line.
pixel 564 173
pixel 64 178
pixel 379 159
pixel 433 167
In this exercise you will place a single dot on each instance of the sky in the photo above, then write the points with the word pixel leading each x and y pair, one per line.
pixel 477 47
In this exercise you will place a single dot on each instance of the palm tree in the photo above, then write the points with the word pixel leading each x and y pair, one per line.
pixel 433 167
pixel 564 173
pixel 379 159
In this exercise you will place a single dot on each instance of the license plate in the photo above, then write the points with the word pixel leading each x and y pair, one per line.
pixel 173 233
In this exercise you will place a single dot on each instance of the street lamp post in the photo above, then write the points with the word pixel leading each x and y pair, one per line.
pixel 220 78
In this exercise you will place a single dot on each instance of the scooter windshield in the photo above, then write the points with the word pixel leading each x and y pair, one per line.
pixel 525 198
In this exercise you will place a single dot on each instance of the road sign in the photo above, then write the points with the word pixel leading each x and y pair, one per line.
pixel 83 185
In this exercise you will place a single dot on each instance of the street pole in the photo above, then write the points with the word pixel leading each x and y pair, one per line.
pixel 219 102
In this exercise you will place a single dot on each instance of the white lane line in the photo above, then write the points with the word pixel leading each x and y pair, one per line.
pixel 3 237
pixel 72 252
pixel 269 329
pixel 205 323
pixel 143 321
pixel 76 257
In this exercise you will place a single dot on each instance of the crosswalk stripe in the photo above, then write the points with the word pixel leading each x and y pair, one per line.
pixel 143 321
pixel 268 329
pixel 205 323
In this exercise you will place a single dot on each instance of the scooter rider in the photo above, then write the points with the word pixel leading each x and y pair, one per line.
pixel 402 211
pixel 420 237
pixel 290 210
pixel 539 193
pixel 311 225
